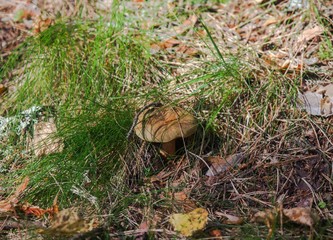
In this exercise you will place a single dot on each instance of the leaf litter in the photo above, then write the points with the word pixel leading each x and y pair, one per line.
pixel 300 215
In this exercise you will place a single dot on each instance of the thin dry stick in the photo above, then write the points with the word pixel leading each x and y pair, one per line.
pixel 139 231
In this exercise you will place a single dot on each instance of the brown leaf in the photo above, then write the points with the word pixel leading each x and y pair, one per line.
pixel 308 34
pixel 6 206
pixel 269 21
pixel 220 165
pixel 187 50
pixel 216 233
pixel 301 215
pixel 9 203
pixel 317 101
pixel 169 43
pixel 278 60
pixel 268 217
pixel 142 230
pixel 21 13
pixel 201 33
pixel 180 196
pixel 42 143
pixel 160 178
pixel 230 219
pixel 188 23
pixel 41 24
pixel 154 48
pixel 28 209
pixel 20 188
pixel 3 89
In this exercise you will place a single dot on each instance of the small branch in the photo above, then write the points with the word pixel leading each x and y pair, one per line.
pixel 8 224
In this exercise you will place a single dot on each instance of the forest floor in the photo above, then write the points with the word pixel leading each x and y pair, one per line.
pixel 75 74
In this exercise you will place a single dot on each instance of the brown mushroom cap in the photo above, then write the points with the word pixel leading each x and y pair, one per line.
pixel 165 124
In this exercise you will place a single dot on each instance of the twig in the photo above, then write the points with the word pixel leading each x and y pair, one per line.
pixel 8 224
pixel 139 231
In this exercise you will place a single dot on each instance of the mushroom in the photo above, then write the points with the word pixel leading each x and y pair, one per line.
pixel 164 125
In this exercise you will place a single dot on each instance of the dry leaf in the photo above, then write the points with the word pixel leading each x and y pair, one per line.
pixel 326 89
pixel 21 13
pixel 191 222
pixel 180 196
pixel 9 203
pixel 28 209
pixel 3 89
pixel 220 165
pixel 181 200
pixel 317 101
pixel 301 215
pixel 269 21
pixel 310 102
pixel 268 217
pixel 308 34
pixel 169 43
pixel 41 24
pixel 42 143
pixel 231 219
pixel 279 61
pixel 6 206
pixel 183 49
pixel 142 230
pixel 216 233
pixel 160 178
pixel 191 20
pixel 188 23
pixel 154 48
pixel 68 222
pixel 298 215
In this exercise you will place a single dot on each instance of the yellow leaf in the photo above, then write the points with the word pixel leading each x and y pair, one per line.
pixel 188 223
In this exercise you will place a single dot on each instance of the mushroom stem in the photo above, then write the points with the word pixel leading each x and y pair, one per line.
pixel 169 147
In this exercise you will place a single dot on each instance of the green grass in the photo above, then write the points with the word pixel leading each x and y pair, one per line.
pixel 90 73
pixel 326 50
